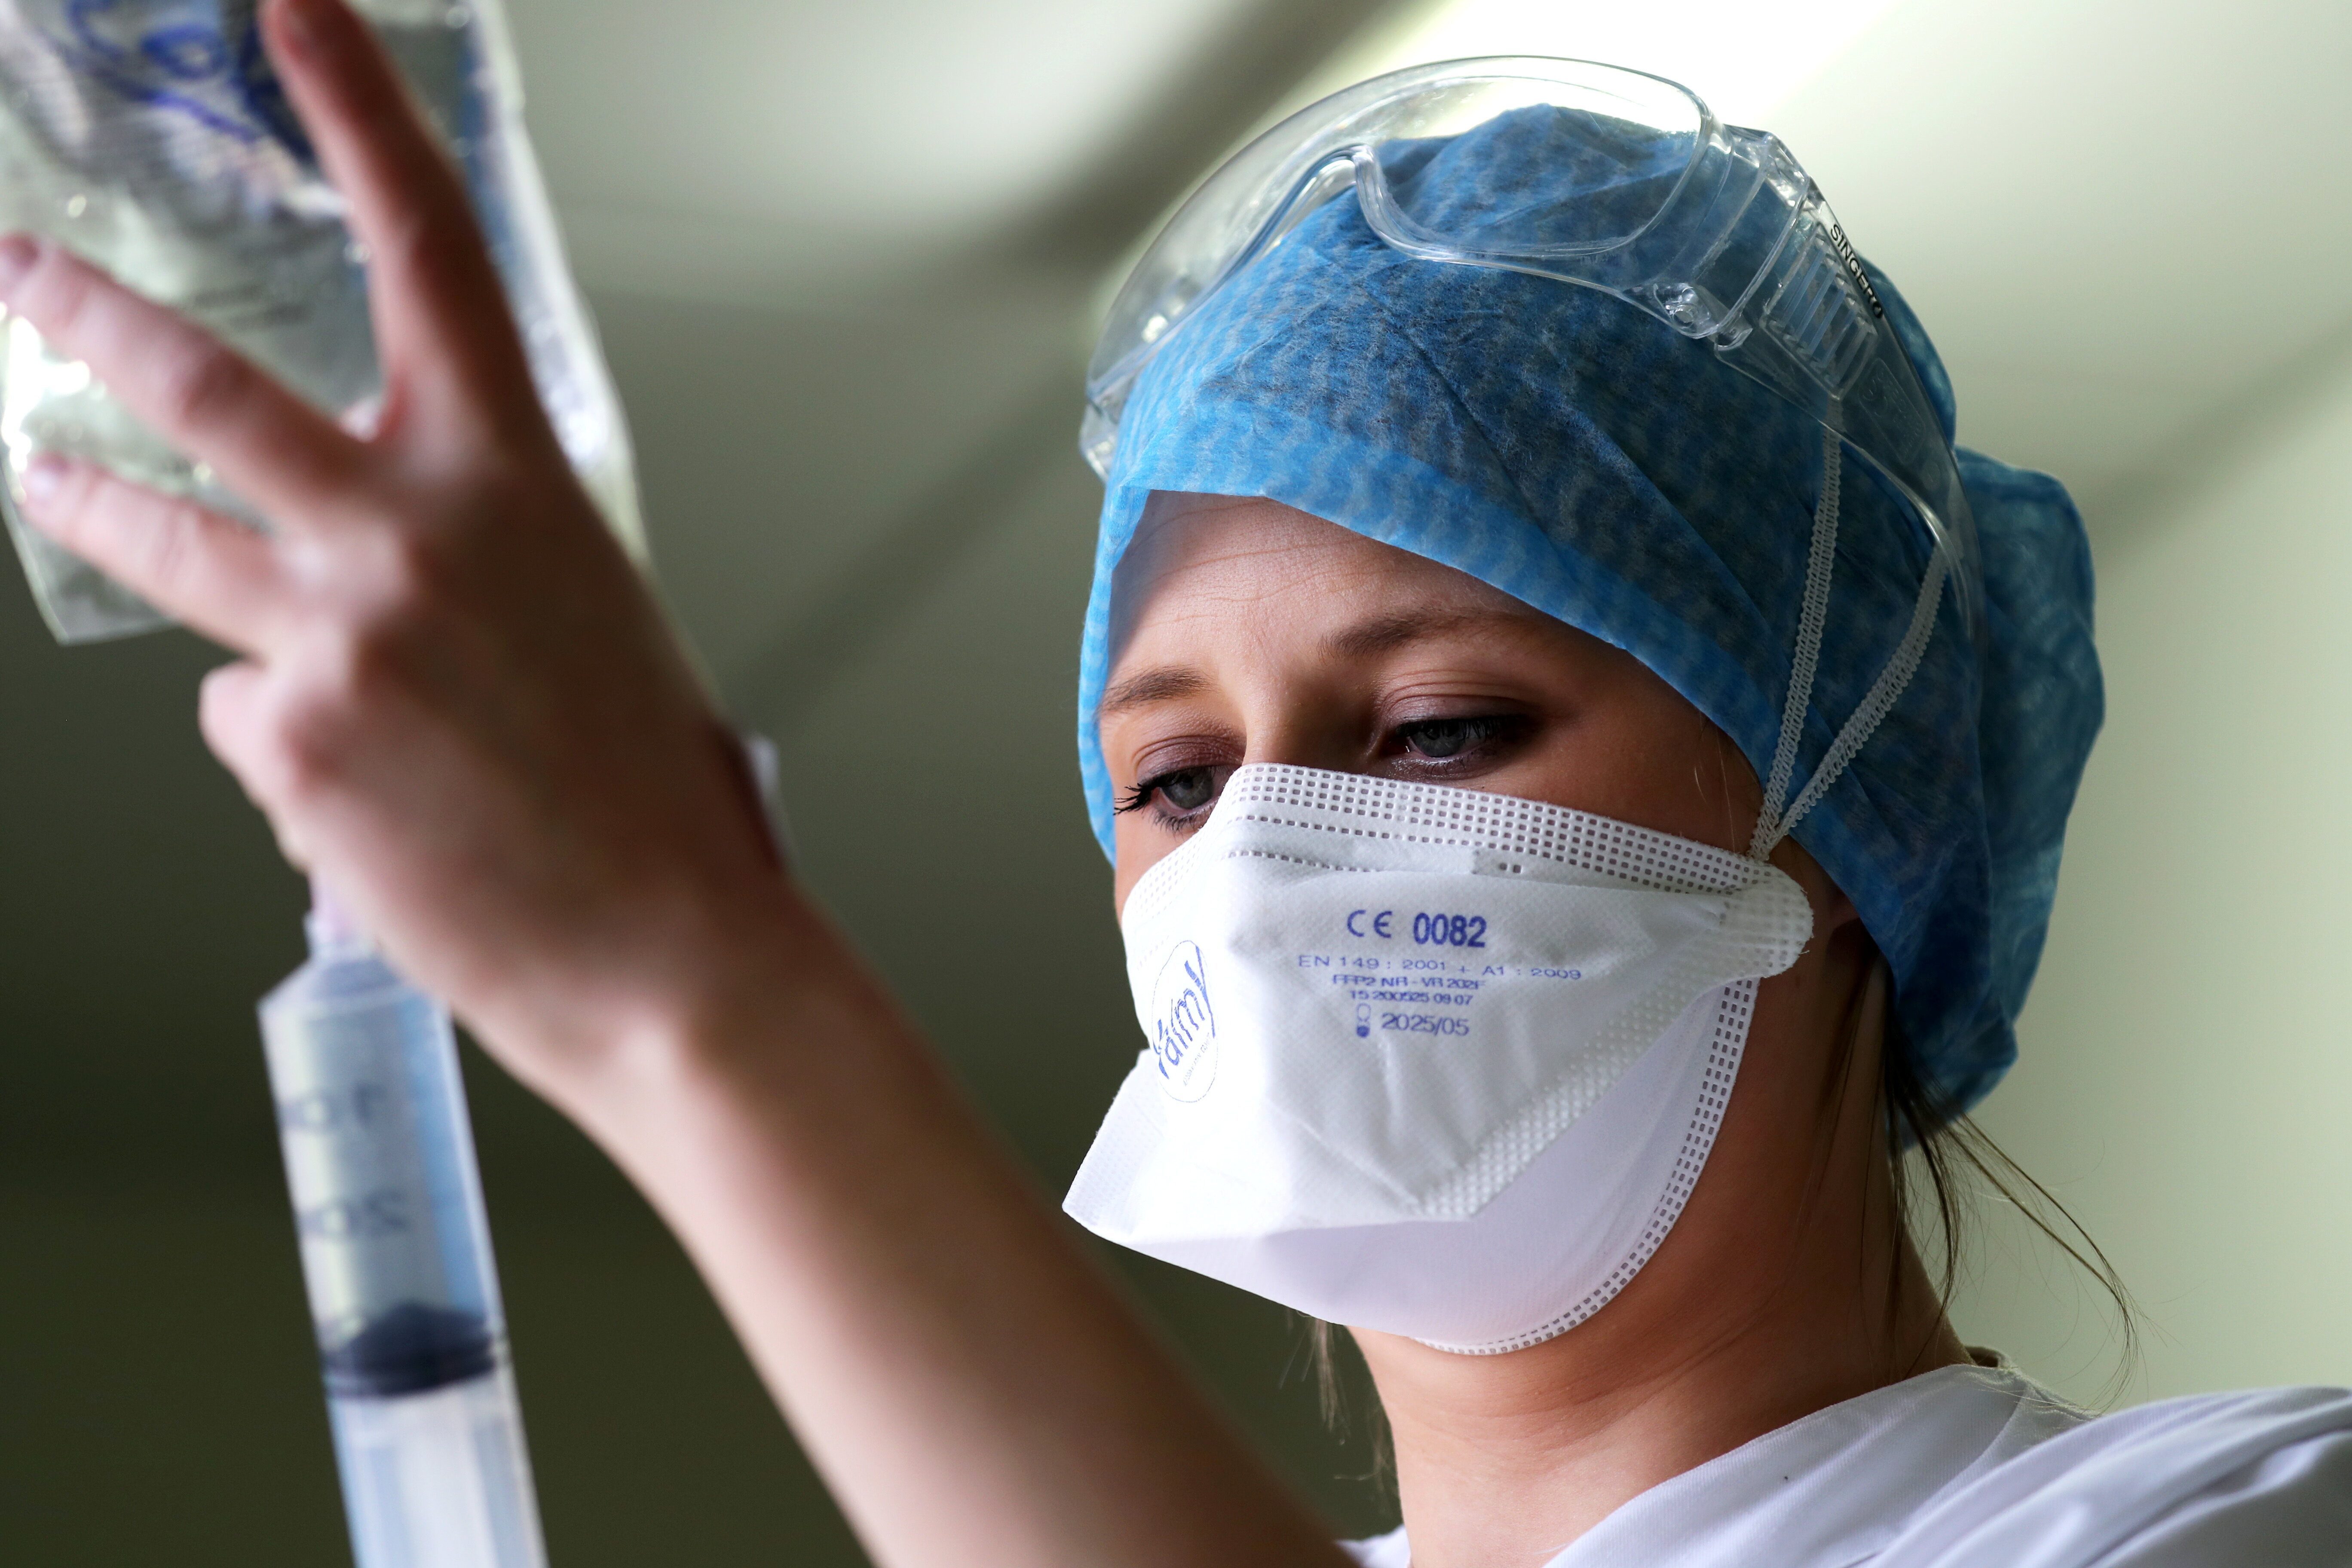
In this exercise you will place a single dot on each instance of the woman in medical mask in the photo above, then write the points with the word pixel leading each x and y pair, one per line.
pixel 1581 800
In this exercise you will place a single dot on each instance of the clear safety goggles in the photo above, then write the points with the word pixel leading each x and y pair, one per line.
pixel 1739 249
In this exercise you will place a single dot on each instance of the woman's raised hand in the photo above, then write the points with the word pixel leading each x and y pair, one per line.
pixel 460 707
pixel 457 702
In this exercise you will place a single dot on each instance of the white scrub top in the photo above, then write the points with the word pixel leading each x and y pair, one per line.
pixel 1979 1467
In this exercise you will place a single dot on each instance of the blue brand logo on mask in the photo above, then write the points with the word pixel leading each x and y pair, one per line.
pixel 1183 1024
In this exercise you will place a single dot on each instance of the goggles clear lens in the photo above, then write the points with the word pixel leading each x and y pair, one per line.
pixel 1714 230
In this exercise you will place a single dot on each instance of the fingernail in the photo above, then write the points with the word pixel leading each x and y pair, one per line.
pixel 17 254
pixel 45 474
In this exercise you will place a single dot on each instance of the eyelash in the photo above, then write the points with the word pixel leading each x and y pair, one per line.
pixel 1147 790
pixel 1480 731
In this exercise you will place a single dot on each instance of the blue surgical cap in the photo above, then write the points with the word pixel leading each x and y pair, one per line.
pixel 1576 453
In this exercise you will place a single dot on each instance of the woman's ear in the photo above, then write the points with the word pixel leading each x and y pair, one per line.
pixel 1833 911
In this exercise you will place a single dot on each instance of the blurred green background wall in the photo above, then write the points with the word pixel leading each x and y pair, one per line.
pixel 852 363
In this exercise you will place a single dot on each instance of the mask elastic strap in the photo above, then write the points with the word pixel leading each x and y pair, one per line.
pixel 1772 824
pixel 1812 622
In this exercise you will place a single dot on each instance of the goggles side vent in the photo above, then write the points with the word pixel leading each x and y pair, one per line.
pixel 1817 314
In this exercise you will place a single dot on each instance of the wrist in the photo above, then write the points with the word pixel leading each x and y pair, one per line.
pixel 744 1000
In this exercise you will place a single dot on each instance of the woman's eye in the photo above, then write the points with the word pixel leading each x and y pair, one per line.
pixel 1439 740
pixel 1180 792
pixel 1187 791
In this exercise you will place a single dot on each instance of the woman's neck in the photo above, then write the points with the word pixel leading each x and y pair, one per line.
pixel 1788 1285
pixel 1503 1462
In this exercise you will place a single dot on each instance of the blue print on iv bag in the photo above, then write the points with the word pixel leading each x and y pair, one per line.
pixel 203 60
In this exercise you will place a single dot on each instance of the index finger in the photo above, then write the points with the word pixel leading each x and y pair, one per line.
pixel 448 339
pixel 276 450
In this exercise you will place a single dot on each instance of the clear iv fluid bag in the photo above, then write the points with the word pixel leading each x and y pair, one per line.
pixel 396 1260
pixel 152 137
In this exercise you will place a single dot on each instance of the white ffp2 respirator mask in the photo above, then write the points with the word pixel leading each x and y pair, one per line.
pixel 1427 1061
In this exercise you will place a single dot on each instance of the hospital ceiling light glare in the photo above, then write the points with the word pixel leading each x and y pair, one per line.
pixel 1745 60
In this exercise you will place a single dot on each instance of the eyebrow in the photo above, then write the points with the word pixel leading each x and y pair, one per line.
pixel 1386 634
pixel 1366 639
pixel 1147 687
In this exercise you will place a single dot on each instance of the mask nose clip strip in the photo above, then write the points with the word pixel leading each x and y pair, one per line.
pixel 1773 823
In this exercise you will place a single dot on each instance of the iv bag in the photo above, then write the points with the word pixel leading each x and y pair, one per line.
pixel 152 138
